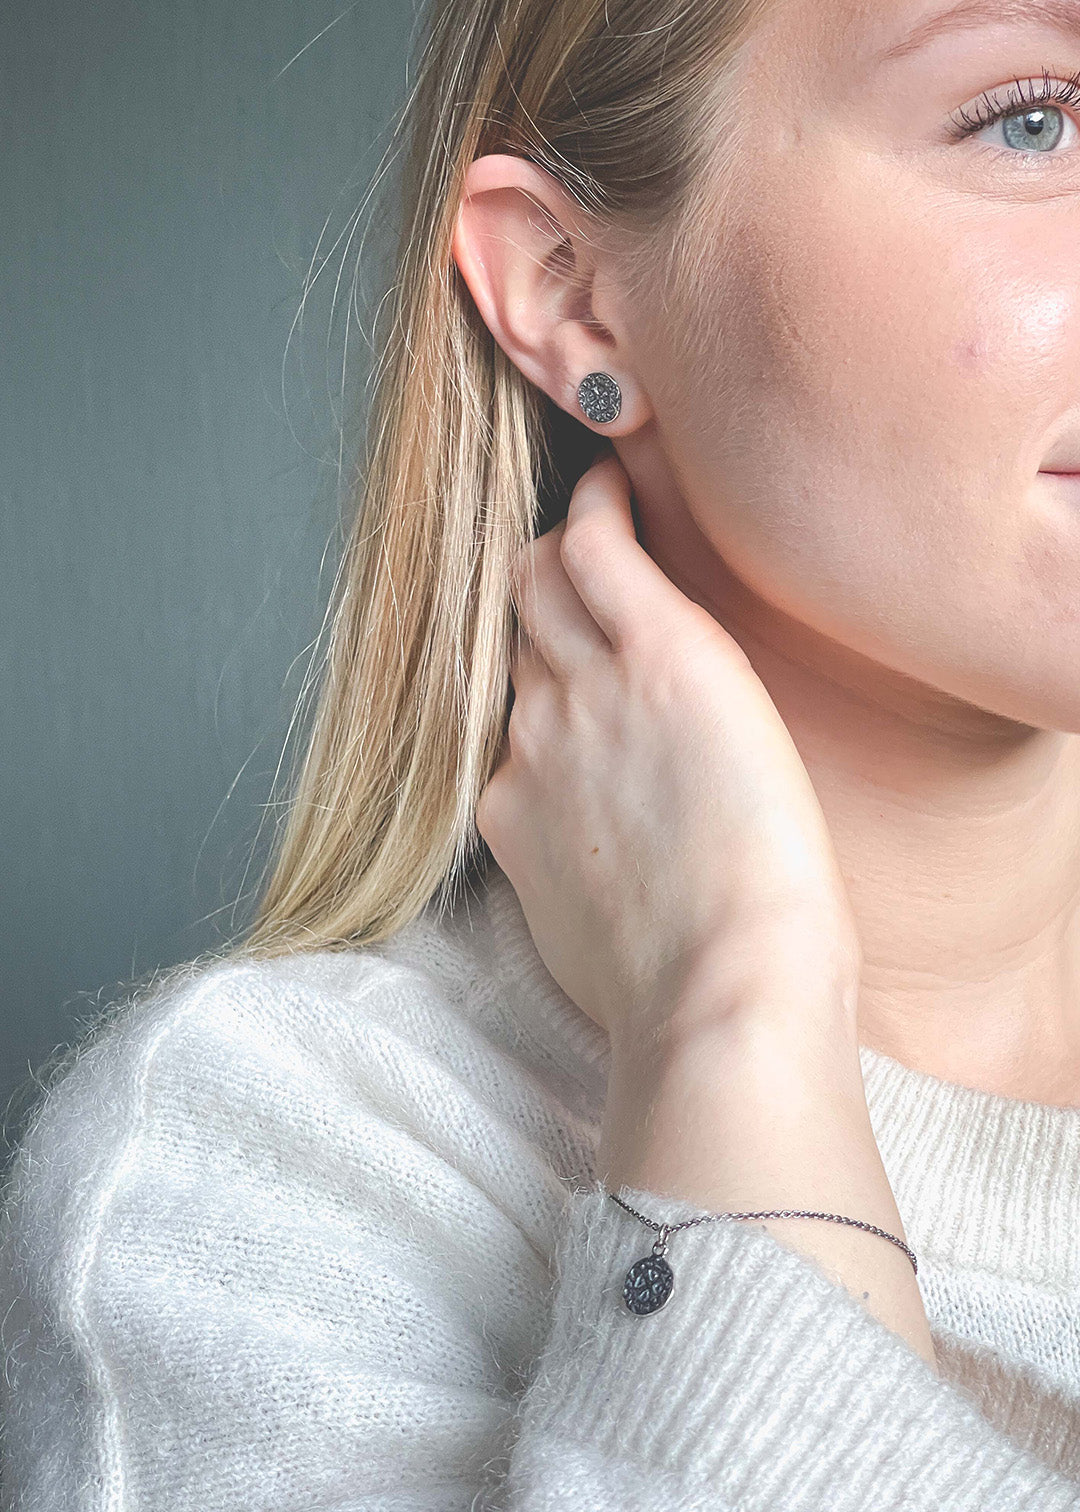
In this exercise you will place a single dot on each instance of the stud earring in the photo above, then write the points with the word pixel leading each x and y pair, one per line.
pixel 600 397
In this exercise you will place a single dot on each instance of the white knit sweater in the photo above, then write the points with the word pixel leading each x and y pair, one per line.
pixel 324 1233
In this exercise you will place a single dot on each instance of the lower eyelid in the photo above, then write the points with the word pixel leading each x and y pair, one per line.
pixel 1064 149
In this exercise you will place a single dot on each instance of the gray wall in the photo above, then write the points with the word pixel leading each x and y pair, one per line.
pixel 165 508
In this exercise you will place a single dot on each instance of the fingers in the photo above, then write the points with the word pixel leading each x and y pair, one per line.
pixel 612 574
pixel 588 584
pixel 550 611
pixel 531 700
pixel 529 677
pixel 528 669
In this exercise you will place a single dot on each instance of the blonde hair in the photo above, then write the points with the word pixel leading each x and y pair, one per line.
pixel 629 104
pixel 625 103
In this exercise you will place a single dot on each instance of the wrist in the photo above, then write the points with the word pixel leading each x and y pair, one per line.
pixel 793 1068
pixel 743 1112
pixel 755 1016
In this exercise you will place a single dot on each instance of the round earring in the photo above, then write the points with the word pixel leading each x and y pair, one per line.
pixel 600 397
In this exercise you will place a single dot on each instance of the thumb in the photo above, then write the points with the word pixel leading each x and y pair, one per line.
pixel 617 579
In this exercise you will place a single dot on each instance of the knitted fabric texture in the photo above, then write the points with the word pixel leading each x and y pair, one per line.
pixel 325 1233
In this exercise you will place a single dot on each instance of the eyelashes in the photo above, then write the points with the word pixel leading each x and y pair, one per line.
pixel 1059 91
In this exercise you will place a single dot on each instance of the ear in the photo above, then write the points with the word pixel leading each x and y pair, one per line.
pixel 521 244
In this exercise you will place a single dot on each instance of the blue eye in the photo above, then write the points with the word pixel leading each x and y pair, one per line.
pixel 1030 127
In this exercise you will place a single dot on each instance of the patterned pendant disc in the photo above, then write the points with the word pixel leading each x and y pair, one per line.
pixel 648 1284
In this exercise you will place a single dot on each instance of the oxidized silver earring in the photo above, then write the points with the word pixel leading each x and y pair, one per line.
pixel 600 397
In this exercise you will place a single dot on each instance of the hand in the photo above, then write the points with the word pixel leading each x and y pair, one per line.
pixel 652 812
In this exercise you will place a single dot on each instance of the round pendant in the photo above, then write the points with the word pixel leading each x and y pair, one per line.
pixel 648 1284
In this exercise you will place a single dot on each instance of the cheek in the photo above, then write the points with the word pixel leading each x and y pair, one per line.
pixel 896 364
pixel 846 401
pixel 869 343
pixel 877 380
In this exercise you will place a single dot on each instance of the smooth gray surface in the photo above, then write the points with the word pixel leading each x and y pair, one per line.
pixel 165 508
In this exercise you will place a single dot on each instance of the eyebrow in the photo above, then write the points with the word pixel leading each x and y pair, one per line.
pixel 1062 15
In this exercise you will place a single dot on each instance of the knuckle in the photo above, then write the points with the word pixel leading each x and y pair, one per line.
pixel 523 565
pixel 582 544
pixel 517 571
pixel 521 732
pixel 520 558
pixel 488 806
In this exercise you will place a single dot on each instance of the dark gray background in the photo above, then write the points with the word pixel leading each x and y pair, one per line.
pixel 169 515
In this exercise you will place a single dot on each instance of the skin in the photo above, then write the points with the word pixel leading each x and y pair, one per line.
pixel 896 344
pixel 706 927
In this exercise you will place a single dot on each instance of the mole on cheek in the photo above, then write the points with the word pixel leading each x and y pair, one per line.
pixel 968 353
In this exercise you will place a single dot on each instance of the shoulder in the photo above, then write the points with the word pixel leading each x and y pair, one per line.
pixel 316 1180
pixel 286 1093
pixel 218 1032
pixel 204 1036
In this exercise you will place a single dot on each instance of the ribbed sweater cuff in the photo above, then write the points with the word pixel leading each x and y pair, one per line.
pixel 760 1375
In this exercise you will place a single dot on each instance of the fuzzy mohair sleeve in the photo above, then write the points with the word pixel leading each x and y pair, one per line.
pixel 305 1242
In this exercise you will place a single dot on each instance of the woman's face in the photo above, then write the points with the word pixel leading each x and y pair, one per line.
pixel 866 403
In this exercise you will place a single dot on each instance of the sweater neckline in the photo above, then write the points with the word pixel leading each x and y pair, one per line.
pixel 983 1181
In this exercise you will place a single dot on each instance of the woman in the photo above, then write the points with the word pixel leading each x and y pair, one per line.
pixel 381 1208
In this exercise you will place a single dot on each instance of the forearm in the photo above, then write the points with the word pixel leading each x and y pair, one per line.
pixel 742 1115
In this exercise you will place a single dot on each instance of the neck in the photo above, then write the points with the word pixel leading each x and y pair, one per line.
pixel 957 832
